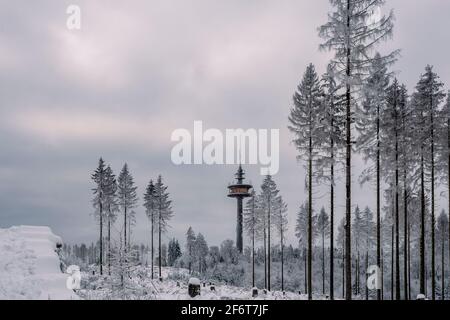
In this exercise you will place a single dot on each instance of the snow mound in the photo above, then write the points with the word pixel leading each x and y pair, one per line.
pixel 30 266
pixel 194 281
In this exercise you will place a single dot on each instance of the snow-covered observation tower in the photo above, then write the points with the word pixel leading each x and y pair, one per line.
pixel 240 190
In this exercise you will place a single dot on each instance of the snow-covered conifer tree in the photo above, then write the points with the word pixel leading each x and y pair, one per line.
pixel 331 141
pixel 353 35
pixel 127 198
pixel 164 213
pixel 111 207
pixel 268 205
pixel 305 124
pixel 201 251
pixel 190 242
pixel 101 181
pixel 428 98
pixel 124 261
pixel 150 210
pixel 369 128
pixel 174 252
pixel 391 128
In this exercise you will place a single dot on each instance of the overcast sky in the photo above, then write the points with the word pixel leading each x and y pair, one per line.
pixel 137 70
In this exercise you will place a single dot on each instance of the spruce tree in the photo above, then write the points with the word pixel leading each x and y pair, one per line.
pixel 332 141
pixel 201 251
pixel 268 204
pixel 353 36
pixel 164 213
pixel 174 252
pixel 101 181
pixel 111 207
pixel 369 128
pixel 429 95
pixel 190 241
pixel 305 124
pixel 392 132
pixel 127 198
pixel 150 210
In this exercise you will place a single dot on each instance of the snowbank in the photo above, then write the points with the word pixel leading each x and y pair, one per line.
pixel 30 266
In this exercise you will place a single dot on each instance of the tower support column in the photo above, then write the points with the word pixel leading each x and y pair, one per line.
pixel 239 236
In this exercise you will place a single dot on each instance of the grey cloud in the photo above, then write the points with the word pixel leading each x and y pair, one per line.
pixel 162 65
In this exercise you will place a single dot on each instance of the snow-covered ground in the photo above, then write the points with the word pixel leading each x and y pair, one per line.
pixel 30 266
pixel 174 287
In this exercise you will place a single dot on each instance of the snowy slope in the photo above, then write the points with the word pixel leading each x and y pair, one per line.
pixel 30 266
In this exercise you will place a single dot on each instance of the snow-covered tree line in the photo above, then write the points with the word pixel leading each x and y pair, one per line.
pixel 359 106
pixel 114 202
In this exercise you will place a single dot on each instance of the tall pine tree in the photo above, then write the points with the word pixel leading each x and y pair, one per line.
pixel 164 213
pixel 150 210
pixel 369 128
pixel 305 124
pixel 353 34
pixel 127 198
pixel 429 96
pixel 100 191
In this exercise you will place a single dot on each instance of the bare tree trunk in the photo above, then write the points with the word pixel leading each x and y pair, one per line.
pixel 358 263
pixel 310 220
pixel 323 262
pixel 253 253
pixel 392 262
pixel 343 268
pixel 442 265
pixel 405 232
pixel 125 228
pixel 306 269
pixel 101 237
pixel 397 220
pixel 378 218
pixel 433 220
pixel 382 274
pixel 409 260
pixel 153 249
pixel 366 277
pixel 159 244
pixel 332 217
pixel 190 258
pixel 265 259
pixel 268 245
pixel 282 260
pixel 422 229
pixel 448 180
pixel 109 244
pixel 348 171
